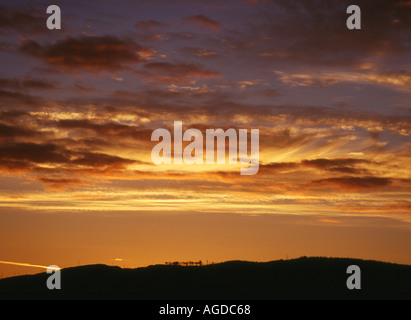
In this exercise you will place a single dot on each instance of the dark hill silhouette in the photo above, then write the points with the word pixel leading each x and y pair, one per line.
pixel 302 278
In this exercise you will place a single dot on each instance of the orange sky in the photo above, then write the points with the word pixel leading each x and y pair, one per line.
pixel 78 106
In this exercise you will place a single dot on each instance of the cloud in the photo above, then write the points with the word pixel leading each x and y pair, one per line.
pixel 21 19
pixel 306 80
pixel 205 21
pixel 278 166
pixel 99 160
pixel 60 183
pixel 109 129
pixel 30 155
pixel 199 52
pixel 400 80
pixel 61 164
pixel 33 152
pixel 11 99
pixel 353 183
pixel 177 72
pixel 189 90
pixel 25 83
pixel 15 166
pixel 149 24
pixel 344 165
pixel 9 131
pixel 92 53
pixel 283 138
pixel 12 115
pixel 311 32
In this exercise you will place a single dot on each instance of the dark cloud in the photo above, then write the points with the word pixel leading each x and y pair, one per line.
pixel 13 166
pixel 60 183
pixel 278 166
pixel 315 32
pixel 149 24
pixel 12 115
pixel 353 183
pixel 204 21
pixel 33 152
pixel 177 72
pixel 46 161
pixel 8 131
pixel 21 19
pixel 87 52
pixel 12 99
pixel 58 180
pixel 100 160
pixel 343 165
pixel 26 83
pixel 107 129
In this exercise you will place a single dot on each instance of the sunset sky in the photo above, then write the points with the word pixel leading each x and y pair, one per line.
pixel 78 106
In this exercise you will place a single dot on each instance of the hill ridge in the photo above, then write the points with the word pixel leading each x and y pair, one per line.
pixel 299 278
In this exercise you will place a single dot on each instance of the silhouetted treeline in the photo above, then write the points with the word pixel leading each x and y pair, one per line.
pixel 184 263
